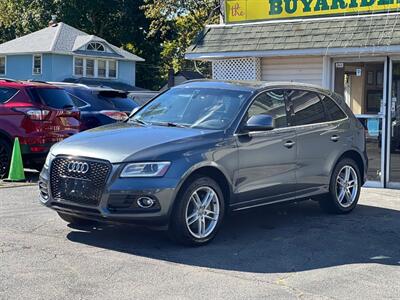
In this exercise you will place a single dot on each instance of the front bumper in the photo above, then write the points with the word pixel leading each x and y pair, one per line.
pixel 118 201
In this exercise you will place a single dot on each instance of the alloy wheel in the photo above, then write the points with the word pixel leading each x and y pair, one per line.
pixel 347 186
pixel 202 212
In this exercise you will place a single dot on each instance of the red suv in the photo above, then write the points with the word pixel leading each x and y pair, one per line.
pixel 39 114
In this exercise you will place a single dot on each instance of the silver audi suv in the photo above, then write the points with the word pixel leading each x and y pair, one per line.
pixel 206 148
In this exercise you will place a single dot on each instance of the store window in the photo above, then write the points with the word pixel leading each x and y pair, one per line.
pixel 2 65
pixel 362 86
pixel 37 64
pixel 270 103
pixel 307 108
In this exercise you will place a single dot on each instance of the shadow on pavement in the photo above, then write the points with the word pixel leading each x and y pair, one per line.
pixel 277 239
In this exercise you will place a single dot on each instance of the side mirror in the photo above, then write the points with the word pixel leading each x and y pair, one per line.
pixel 259 123
pixel 134 111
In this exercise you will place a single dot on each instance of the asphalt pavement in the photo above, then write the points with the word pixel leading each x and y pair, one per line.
pixel 280 252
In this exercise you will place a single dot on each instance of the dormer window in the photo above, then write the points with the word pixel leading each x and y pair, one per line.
pixel 95 47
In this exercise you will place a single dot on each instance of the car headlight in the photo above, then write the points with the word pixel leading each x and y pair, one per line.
pixel 146 169
pixel 49 158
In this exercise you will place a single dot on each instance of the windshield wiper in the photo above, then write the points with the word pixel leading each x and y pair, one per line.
pixel 138 121
pixel 172 124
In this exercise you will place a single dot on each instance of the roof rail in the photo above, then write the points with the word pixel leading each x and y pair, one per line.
pixel 9 80
pixel 37 81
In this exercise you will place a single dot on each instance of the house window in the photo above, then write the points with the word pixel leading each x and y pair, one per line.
pixel 102 68
pixel 2 65
pixel 95 47
pixel 90 67
pixel 112 69
pixel 78 67
pixel 37 64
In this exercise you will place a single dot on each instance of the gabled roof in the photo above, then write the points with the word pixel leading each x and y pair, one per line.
pixel 61 39
pixel 313 36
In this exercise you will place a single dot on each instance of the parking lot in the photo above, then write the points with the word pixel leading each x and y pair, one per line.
pixel 286 252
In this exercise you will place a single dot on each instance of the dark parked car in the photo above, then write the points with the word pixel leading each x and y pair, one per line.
pixel 206 148
pixel 40 115
pixel 99 105
pixel 142 97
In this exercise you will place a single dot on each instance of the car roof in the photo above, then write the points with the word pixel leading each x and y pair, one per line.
pixel 5 82
pixel 251 86
pixel 84 86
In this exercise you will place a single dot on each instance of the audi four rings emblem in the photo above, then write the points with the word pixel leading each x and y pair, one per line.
pixel 78 167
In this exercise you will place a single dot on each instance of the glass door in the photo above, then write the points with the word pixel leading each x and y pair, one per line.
pixel 362 84
pixel 394 128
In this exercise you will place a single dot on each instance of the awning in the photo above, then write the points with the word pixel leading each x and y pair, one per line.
pixel 324 36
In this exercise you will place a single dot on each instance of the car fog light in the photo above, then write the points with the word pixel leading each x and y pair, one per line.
pixel 145 202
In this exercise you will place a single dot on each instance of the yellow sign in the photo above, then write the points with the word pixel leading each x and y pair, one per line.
pixel 257 10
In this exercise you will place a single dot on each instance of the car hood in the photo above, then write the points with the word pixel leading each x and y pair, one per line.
pixel 120 142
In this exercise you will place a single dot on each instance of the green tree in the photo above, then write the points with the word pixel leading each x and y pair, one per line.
pixel 177 23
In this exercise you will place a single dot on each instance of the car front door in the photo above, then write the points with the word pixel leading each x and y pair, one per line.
pixel 267 159
pixel 321 137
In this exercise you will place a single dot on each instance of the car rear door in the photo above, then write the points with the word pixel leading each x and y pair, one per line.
pixel 267 160
pixel 320 139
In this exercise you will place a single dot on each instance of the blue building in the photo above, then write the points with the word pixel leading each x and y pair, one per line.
pixel 63 53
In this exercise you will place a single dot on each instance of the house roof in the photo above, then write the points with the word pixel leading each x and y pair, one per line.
pixel 61 39
pixel 306 35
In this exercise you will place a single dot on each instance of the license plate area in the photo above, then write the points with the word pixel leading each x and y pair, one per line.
pixel 76 187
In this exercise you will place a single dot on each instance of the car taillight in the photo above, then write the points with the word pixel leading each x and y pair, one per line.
pixel 115 115
pixel 33 114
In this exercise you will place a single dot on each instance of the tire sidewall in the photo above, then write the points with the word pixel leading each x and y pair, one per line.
pixel 178 224
pixel 9 150
pixel 333 184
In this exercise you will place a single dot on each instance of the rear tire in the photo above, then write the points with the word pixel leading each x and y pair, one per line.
pixel 75 220
pixel 198 212
pixel 344 188
pixel 5 157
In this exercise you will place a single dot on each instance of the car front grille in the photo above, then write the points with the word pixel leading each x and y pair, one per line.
pixel 81 186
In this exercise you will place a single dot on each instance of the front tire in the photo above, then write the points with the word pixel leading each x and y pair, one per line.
pixel 5 157
pixel 75 220
pixel 198 212
pixel 344 189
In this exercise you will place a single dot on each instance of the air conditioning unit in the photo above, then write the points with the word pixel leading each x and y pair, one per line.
pixel 37 70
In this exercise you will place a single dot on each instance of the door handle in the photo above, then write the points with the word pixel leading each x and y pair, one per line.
pixel 335 138
pixel 289 144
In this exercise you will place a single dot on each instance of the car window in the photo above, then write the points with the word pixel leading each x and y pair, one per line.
pixel 307 108
pixel 54 98
pixel 6 94
pixel 119 100
pixel 334 111
pixel 78 102
pixel 270 103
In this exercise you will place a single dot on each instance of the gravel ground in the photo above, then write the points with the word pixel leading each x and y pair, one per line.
pixel 280 252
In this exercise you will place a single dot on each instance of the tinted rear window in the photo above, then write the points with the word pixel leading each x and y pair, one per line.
pixel 308 108
pixel 55 98
pixel 6 94
pixel 119 100
pixel 333 110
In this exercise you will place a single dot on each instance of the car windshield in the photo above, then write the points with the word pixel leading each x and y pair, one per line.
pixel 193 107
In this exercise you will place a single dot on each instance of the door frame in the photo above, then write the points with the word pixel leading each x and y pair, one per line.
pixel 389 183
pixel 384 107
